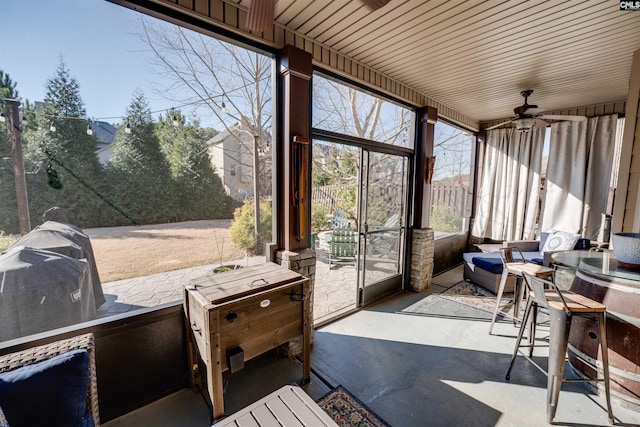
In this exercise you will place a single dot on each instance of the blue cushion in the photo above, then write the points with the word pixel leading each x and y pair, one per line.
pixel 494 265
pixel 52 392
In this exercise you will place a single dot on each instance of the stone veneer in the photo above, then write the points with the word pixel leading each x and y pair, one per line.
pixel 304 263
pixel 422 247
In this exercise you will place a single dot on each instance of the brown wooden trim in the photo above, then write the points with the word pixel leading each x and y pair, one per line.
pixel 427 117
pixel 295 72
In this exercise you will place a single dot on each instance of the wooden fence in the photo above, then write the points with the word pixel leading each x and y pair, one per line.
pixel 453 197
pixel 326 196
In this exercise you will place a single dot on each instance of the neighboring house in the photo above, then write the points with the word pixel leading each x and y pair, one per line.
pixel 105 135
pixel 103 132
pixel 231 152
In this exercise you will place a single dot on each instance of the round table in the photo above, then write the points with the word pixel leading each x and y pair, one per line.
pixel 599 276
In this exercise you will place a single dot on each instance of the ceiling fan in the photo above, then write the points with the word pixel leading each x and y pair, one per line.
pixel 262 12
pixel 528 116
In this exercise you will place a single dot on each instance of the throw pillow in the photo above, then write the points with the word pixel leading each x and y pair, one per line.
pixel 52 392
pixel 560 241
pixel 543 239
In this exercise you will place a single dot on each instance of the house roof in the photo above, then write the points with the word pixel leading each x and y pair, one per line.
pixel 105 133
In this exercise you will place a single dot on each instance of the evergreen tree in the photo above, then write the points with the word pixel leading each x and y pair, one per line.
pixel 139 173
pixel 70 170
pixel 200 194
pixel 8 203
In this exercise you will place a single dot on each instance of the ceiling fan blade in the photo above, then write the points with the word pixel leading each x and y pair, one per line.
pixel 541 123
pixel 374 4
pixel 498 125
pixel 260 15
pixel 561 117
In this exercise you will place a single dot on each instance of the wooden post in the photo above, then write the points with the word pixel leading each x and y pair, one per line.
pixel 18 165
pixel 295 90
pixel 427 117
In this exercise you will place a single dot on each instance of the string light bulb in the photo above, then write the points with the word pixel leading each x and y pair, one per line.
pixel 89 130
pixel 2 118
pixel 176 123
pixel 24 121
pixel 52 127
pixel 223 106
pixel 127 129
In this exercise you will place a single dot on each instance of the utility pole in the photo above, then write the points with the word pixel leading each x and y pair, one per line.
pixel 15 131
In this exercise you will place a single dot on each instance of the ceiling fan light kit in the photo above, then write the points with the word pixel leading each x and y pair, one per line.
pixel 527 116
pixel 524 125
pixel 260 15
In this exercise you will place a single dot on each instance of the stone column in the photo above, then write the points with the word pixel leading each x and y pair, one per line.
pixel 304 263
pixel 422 247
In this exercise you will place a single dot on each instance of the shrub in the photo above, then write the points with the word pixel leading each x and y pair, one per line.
pixel 319 214
pixel 242 231
pixel 445 220
pixel 5 241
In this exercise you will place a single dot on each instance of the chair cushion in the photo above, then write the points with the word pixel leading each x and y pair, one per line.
pixel 52 392
pixel 560 241
pixel 491 264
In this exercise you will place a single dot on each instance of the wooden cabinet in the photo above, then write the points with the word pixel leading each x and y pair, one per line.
pixel 235 316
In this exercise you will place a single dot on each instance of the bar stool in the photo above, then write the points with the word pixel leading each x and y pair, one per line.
pixel 516 268
pixel 562 306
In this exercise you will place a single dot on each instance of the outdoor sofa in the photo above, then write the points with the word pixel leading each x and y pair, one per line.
pixel 485 268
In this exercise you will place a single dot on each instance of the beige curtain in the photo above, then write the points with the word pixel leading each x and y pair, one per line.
pixel 510 179
pixel 578 175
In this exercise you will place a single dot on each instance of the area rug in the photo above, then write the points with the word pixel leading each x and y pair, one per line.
pixel 346 410
pixel 476 296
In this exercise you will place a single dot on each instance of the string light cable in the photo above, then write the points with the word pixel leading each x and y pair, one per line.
pixel 175 121
pixel 56 118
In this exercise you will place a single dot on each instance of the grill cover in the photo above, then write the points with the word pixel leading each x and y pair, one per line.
pixel 42 290
pixel 69 240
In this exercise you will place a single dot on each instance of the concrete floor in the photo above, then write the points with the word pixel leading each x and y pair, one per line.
pixel 416 360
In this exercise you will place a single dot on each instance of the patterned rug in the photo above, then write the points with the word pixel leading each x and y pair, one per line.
pixel 346 410
pixel 476 296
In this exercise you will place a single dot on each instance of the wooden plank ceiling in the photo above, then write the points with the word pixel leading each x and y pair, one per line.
pixel 476 56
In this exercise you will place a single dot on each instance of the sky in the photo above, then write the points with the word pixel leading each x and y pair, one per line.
pixel 97 41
